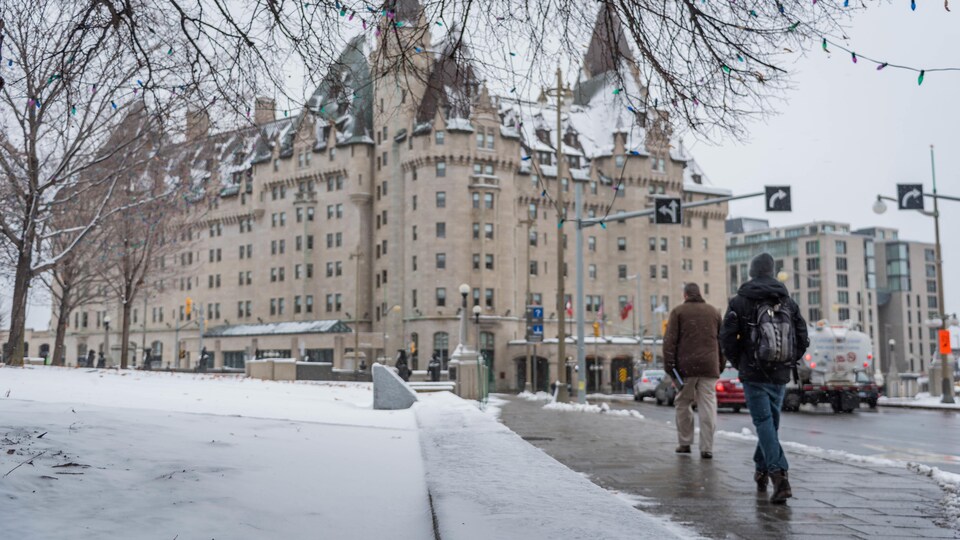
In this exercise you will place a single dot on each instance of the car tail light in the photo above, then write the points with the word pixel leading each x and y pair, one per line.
pixel 866 364
pixel 807 387
pixel 813 365
pixel 720 387
pixel 645 379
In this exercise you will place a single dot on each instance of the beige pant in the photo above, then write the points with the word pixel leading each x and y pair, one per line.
pixel 703 391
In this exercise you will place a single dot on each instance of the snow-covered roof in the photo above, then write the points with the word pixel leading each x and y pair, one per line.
pixel 330 326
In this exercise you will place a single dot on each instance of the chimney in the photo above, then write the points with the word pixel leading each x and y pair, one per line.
pixel 198 124
pixel 265 111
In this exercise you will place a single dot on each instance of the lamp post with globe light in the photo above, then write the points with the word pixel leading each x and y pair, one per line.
pixel 880 207
pixel 106 339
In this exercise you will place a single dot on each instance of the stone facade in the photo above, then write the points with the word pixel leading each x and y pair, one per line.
pixel 373 204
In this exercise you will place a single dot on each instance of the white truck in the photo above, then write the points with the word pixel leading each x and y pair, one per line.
pixel 837 368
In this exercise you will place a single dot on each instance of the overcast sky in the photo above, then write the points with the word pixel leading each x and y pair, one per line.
pixel 845 133
pixel 848 132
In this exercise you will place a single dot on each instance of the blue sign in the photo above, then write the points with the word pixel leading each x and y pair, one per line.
pixel 535 324
pixel 536 312
pixel 536 329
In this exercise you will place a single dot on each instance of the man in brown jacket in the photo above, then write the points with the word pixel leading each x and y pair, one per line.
pixel 690 346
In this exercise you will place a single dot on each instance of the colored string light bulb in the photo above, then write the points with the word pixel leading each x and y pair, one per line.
pixel 920 78
pixel 753 13
pixel 739 58
pixel 913 5
pixel 603 225
pixel 114 105
pixel 846 3
pixel 853 56
pixel 725 68
pixel 793 27
pixel 169 51
pixel 617 91
pixel 417 49
pixel 343 12
pixel 525 158
pixel 512 53
pixel 544 193
pixel 73 110
pixel 825 45
pixel 881 66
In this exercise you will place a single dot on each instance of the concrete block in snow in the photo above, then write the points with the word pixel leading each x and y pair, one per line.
pixel 389 390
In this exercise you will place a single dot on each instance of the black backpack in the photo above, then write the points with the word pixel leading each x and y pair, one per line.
pixel 772 335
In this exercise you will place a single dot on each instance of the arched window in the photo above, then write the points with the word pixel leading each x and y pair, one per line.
pixel 441 347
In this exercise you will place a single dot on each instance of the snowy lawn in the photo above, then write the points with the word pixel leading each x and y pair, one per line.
pixel 107 454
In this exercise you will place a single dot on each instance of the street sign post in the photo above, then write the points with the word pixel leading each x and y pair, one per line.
pixel 535 324
pixel 778 198
pixel 910 196
pixel 668 211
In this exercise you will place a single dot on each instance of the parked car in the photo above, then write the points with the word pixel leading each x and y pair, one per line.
pixel 647 383
pixel 666 391
pixel 730 390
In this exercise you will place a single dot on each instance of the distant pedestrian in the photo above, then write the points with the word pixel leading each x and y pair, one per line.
pixel 202 366
pixel 90 358
pixel 763 336
pixel 434 367
pixel 101 361
pixel 402 368
pixel 691 348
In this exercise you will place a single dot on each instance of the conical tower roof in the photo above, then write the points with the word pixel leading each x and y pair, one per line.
pixel 608 45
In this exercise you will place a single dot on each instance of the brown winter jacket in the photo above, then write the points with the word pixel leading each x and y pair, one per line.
pixel 690 343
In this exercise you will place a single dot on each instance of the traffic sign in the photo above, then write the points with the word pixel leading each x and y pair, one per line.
pixel 944 336
pixel 910 196
pixel 778 198
pixel 668 211
pixel 535 324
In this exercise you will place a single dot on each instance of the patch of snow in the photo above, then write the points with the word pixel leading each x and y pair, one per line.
pixel 539 396
pixel 603 408
pixel 923 400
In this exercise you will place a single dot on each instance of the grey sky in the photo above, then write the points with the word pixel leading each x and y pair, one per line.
pixel 848 132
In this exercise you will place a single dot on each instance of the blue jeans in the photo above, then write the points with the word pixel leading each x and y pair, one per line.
pixel 764 401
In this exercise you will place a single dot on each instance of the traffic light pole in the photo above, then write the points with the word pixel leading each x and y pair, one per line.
pixel 589 222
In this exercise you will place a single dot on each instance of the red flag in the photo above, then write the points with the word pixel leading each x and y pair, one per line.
pixel 625 311
pixel 569 308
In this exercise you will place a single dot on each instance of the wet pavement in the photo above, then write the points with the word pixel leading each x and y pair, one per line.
pixel 926 436
pixel 832 499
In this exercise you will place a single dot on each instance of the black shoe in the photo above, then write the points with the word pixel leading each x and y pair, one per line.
pixel 761 478
pixel 706 455
pixel 683 449
pixel 781 487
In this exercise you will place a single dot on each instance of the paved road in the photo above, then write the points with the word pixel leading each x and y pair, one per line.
pixel 925 436
pixel 832 498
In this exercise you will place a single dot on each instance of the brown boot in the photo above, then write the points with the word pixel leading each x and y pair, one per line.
pixel 781 487
pixel 761 478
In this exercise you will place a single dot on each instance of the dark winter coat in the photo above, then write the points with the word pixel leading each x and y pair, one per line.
pixel 690 342
pixel 742 309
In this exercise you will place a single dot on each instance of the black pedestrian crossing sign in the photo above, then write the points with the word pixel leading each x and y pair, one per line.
pixel 668 211
pixel 778 199
pixel 910 196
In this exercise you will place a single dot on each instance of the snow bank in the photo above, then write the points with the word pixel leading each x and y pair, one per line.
pixel 923 400
pixel 126 455
pixel 493 484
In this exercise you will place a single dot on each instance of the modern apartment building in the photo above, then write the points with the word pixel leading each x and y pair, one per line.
pixel 368 209
pixel 869 277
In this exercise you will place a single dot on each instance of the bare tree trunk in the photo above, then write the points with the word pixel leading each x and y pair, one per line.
pixel 125 334
pixel 18 313
pixel 63 316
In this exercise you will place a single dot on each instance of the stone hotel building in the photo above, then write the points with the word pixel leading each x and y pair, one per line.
pixel 366 211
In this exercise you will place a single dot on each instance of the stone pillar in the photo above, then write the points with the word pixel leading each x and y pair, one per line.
pixel 606 377
pixel 217 354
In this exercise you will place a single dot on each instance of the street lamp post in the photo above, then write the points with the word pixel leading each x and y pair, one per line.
pixel 880 207
pixel 892 371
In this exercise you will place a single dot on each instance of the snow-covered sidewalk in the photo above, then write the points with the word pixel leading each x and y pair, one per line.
pixel 923 400
pixel 132 455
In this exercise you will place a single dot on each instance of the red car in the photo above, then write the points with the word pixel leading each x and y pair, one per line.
pixel 730 390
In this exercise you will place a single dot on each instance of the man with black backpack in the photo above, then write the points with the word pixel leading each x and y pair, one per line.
pixel 763 335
